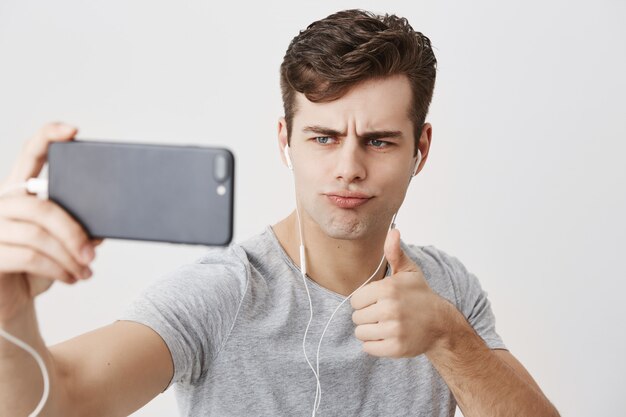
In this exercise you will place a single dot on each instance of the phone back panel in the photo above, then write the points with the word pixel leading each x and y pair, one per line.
pixel 178 194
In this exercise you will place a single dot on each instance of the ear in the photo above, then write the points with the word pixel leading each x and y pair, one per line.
pixel 424 145
pixel 282 138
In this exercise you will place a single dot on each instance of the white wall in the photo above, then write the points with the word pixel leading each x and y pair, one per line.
pixel 525 180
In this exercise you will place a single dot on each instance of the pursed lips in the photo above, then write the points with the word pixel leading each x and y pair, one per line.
pixel 347 199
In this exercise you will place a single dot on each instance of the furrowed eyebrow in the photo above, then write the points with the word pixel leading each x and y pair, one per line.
pixel 320 130
pixel 373 135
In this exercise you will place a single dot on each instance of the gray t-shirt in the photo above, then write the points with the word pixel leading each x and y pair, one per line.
pixel 234 322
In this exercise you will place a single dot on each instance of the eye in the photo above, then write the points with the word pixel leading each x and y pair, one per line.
pixel 379 143
pixel 323 140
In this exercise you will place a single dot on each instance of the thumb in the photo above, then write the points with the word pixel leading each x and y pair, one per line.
pixel 398 260
pixel 35 151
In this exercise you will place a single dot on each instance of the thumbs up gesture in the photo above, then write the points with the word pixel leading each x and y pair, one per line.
pixel 399 316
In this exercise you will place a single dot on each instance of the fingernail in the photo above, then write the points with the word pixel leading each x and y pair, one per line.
pixel 86 273
pixel 88 253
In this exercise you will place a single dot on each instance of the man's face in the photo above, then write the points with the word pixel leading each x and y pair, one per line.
pixel 353 160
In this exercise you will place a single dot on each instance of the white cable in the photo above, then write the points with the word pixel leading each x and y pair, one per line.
pixel 39 186
pixel 319 398
pixel 40 362
pixel 306 331
pixel 303 268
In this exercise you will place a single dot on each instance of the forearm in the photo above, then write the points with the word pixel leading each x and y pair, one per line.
pixel 482 383
pixel 21 381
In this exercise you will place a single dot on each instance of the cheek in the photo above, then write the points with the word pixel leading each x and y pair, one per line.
pixel 309 181
pixel 314 172
pixel 395 186
pixel 395 177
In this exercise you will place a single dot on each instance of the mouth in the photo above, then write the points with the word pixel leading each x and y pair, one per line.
pixel 348 200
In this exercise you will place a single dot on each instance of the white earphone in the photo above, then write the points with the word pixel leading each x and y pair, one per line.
pixel 286 152
pixel 417 163
pixel 303 269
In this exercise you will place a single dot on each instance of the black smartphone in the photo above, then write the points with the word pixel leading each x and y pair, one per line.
pixel 165 193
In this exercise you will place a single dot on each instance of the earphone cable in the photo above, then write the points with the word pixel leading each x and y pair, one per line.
pixel 303 273
pixel 32 185
pixel 319 398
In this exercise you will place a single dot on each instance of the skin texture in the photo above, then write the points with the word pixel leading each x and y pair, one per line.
pixel 110 371
pixel 118 368
pixel 349 163
pixel 400 316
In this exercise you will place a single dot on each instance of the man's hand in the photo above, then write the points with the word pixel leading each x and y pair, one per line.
pixel 39 241
pixel 399 316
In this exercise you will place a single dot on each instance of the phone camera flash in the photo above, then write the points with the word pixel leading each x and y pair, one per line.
pixel 221 190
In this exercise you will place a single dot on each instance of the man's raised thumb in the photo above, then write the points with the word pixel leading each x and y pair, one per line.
pixel 398 260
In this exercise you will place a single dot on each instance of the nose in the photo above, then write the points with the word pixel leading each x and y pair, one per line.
pixel 349 163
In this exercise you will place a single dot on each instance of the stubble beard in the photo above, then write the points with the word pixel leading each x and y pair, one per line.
pixel 348 224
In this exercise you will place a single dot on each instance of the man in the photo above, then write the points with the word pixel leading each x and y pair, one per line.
pixel 228 330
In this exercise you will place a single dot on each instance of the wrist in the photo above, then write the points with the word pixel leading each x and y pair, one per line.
pixel 451 330
pixel 12 313
pixel 24 326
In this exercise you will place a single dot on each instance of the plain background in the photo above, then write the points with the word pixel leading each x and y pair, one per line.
pixel 524 182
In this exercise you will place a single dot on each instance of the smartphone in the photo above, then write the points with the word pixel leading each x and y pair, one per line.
pixel 164 193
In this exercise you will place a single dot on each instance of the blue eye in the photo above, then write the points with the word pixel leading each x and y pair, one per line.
pixel 323 140
pixel 378 143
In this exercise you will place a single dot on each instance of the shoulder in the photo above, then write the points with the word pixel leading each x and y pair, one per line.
pixel 448 277
pixel 264 254
pixel 222 271
pixel 217 273
pixel 445 273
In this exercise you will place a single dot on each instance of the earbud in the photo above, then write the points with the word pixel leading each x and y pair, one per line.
pixel 286 152
pixel 417 163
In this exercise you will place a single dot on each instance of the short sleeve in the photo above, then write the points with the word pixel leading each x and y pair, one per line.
pixel 470 299
pixel 193 309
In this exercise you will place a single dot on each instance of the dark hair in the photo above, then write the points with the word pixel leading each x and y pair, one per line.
pixel 335 53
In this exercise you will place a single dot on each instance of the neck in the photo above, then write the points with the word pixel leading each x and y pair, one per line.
pixel 336 264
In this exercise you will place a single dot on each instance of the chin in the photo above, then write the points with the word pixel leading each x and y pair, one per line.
pixel 350 227
pixel 344 232
pixel 349 224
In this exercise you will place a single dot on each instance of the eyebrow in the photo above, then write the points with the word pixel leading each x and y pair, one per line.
pixel 373 135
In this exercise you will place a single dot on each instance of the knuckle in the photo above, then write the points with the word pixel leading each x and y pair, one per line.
pixel 397 288
pixel 30 256
pixel 78 241
pixel 390 291
pixel 35 233
pixel 68 278
pixel 387 314
pixel 393 308
pixel 358 332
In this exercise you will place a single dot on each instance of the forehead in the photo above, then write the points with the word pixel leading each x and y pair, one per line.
pixel 371 104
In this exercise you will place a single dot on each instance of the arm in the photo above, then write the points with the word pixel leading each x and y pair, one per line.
pixel 484 382
pixel 111 371
pixel 401 316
